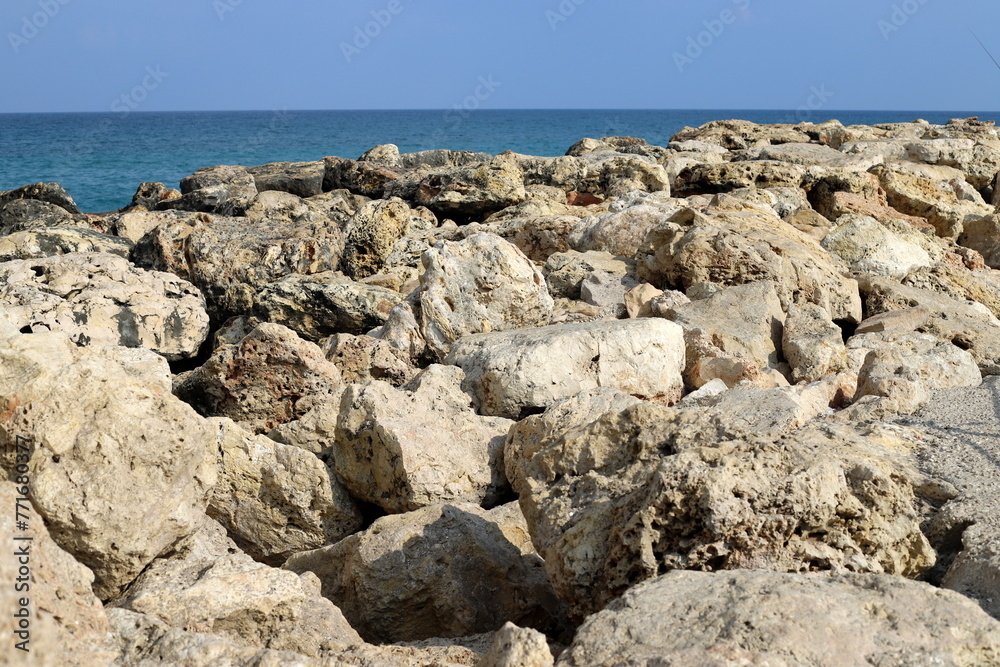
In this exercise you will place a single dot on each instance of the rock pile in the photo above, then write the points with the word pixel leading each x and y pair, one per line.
pixel 631 405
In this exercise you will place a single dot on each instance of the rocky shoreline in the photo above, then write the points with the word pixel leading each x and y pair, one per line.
pixel 711 403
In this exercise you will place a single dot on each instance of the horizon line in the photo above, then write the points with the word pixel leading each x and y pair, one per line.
pixel 439 110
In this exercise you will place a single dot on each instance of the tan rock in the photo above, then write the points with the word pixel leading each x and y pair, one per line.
pixel 565 272
pixel 751 618
pixel 732 243
pixel 891 249
pixel 276 500
pixel 813 344
pixel 479 285
pixel 272 376
pixel 896 321
pixel 518 647
pixel 362 359
pixel 120 470
pixel 609 504
pixel 101 299
pixel 403 449
pixel 216 589
pixel 442 571
pixel 371 235
pixel 639 300
pixel 518 373
pixel 63 622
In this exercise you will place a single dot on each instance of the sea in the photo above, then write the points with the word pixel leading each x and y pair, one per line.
pixel 101 158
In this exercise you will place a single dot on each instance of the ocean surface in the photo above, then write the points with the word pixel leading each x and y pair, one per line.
pixel 101 158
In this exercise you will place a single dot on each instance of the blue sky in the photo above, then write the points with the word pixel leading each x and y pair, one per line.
pixel 96 55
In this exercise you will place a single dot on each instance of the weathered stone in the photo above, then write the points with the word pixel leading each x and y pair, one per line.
pixel 325 304
pixel 932 192
pixel 725 176
pixel 813 344
pixel 622 230
pixel 276 500
pixel 64 623
pixel 224 190
pixel 518 647
pixel 363 359
pixel 21 215
pixel 272 376
pixel 741 134
pixel 890 249
pixel 473 192
pixel 479 285
pixel 372 234
pixel 538 237
pixel 607 292
pixel 983 236
pixel 564 272
pixel 732 243
pixel 303 179
pixel 231 259
pixel 101 299
pixel 518 373
pixel 639 300
pixel 758 618
pixel 422 445
pixel 216 589
pixel 951 320
pixel 39 243
pixel 441 571
pixel 50 193
pixel 798 153
pixel 652 489
pixel 745 321
pixel 120 470
pixel 149 195
pixel 896 321
pixel 904 369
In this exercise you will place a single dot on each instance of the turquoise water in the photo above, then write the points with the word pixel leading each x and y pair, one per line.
pixel 102 157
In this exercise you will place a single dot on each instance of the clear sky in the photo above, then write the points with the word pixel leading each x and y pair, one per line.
pixel 96 55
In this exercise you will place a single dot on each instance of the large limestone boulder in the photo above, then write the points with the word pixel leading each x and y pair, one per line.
pixel 325 304
pixel 733 243
pixel 372 234
pixel 713 178
pixel 766 618
pixel 473 192
pixel 892 249
pixel 441 571
pixel 225 190
pixel 903 370
pixel 101 299
pixel 20 215
pixel 479 285
pixel 216 589
pixel 520 373
pixel 403 449
pixel 939 194
pixel 64 622
pixel 813 344
pixel 983 236
pixel 39 243
pixel 231 259
pixel 741 134
pixel 49 193
pixel 303 179
pixel 364 359
pixel 121 471
pixel 966 323
pixel 276 500
pixel 745 321
pixel 566 271
pixel 623 228
pixel 270 377
pixel 649 489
